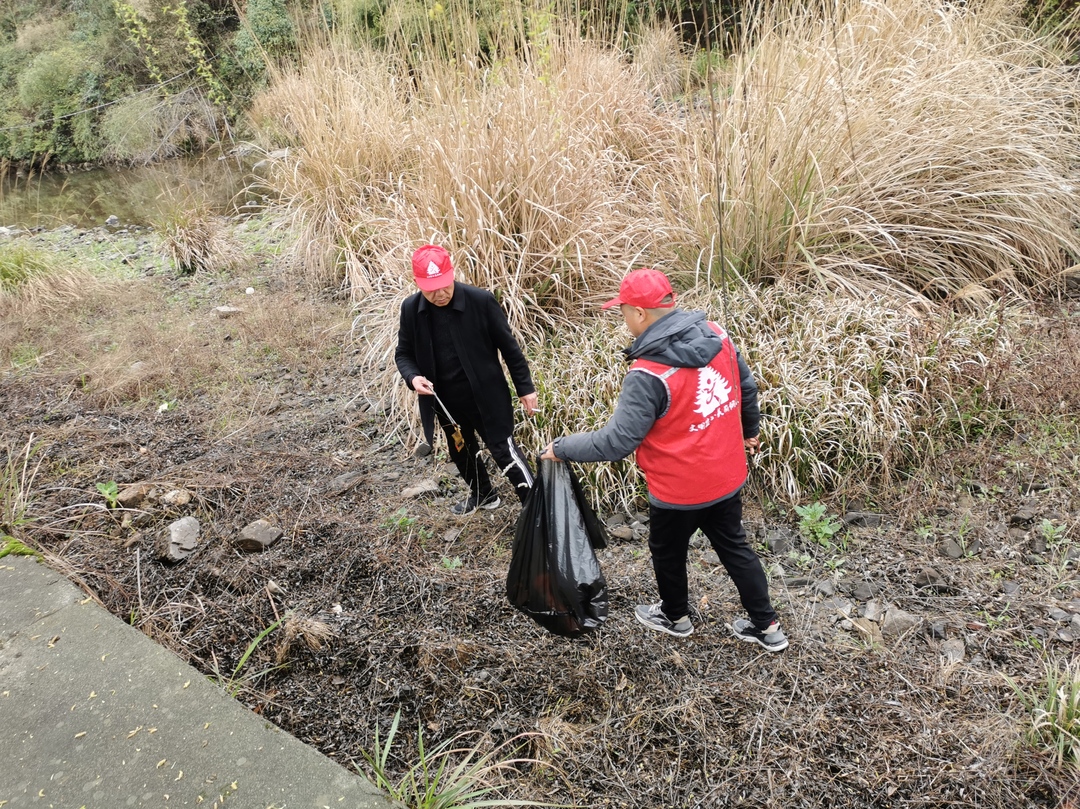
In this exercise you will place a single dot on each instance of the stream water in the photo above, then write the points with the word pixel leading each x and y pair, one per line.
pixel 136 196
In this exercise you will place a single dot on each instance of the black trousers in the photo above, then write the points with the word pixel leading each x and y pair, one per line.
pixel 669 541
pixel 506 453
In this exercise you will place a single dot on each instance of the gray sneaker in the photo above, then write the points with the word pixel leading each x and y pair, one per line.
pixel 467 507
pixel 771 639
pixel 653 617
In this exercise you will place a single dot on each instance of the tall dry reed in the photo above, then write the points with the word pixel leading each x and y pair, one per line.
pixel 909 146
pixel 920 151
pixel 850 390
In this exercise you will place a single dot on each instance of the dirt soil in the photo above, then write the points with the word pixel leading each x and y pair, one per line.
pixel 388 604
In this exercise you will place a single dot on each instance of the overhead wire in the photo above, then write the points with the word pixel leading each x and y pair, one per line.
pixel 54 119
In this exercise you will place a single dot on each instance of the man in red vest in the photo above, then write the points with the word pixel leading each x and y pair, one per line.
pixel 689 408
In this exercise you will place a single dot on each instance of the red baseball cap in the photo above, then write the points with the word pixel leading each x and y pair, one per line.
pixel 645 288
pixel 431 268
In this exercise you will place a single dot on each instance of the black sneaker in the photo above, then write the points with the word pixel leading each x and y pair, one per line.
pixel 467 507
pixel 771 639
pixel 653 617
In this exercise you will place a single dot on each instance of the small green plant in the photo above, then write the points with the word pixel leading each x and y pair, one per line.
pixel 1052 534
pixel 1029 642
pixel 449 776
pixel 239 679
pixel 1055 715
pixel 451 564
pixel 110 491
pixel 398 521
pixel 816 524
pixel 964 530
pixel 995 621
pixel 835 563
pixel 800 560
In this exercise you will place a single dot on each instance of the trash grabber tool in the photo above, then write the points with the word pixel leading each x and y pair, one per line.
pixel 459 439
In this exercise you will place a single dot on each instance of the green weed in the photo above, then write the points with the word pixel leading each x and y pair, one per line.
pixel 803 561
pixel 1054 707
pixel 449 776
pixel 399 521
pixel 1052 534
pixel 995 621
pixel 19 264
pixel 239 680
pixel 817 525
pixel 110 491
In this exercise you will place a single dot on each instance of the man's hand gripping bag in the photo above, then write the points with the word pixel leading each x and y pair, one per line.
pixel 554 575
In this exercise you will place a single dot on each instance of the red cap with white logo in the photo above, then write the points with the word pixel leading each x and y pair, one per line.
pixel 431 268
pixel 645 288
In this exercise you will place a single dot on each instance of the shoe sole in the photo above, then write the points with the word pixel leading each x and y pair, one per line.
pixel 486 507
pixel 663 629
pixel 750 639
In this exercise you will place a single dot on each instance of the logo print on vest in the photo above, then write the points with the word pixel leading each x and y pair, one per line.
pixel 713 391
pixel 433 270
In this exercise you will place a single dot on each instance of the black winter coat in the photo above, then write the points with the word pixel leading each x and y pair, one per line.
pixel 480 333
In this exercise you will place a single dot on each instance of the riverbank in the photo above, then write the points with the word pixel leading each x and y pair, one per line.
pixel 148 398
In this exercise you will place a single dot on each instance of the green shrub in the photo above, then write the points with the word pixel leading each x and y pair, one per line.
pixel 361 19
pixel 52 78
pixel 267 33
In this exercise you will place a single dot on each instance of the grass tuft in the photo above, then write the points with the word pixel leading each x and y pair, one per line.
pixel 1054 707
pixel 17 473
pixel 196 240
pixel 452 775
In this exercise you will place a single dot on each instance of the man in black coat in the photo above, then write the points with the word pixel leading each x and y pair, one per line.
pixel 449 341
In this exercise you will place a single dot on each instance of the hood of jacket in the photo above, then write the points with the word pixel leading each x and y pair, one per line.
pixel 680 339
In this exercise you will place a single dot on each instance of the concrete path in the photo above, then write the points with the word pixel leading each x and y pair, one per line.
pixel 95 715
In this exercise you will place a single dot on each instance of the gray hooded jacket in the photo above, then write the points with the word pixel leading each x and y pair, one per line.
pixel 680 339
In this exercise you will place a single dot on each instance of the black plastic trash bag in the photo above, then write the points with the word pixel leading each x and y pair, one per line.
pixel 554 576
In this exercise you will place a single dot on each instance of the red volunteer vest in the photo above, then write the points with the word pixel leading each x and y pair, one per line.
pixel 694 453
